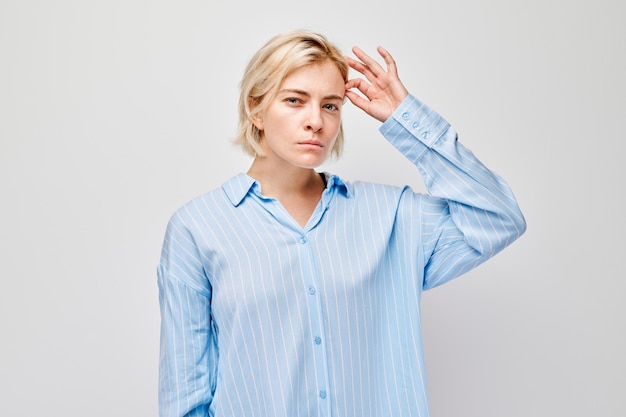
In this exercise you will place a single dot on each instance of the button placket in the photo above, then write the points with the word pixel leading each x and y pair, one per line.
pixel 314 305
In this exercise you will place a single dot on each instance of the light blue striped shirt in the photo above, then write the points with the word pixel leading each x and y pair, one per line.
pixel 261 317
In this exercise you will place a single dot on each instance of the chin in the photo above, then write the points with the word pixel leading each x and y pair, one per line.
pixel 312 163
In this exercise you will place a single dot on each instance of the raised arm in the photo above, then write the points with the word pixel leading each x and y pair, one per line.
pixel 471 213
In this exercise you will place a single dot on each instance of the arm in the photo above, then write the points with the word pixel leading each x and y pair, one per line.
pixel 188 345
pixel 472 214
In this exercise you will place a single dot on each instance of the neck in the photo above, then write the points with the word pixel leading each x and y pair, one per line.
pixel 279 181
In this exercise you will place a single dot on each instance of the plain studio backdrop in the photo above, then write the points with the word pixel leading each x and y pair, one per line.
pixel 115 113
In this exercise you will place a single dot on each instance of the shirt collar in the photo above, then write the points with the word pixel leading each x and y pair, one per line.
pixel 333 181
pixel 239 186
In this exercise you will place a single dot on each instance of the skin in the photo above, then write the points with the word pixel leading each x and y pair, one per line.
pixel 300 125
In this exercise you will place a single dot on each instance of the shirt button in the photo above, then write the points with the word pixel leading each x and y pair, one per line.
pixel 302 240
pixel 415 125
pixel 318 340
pixel 405 116
pixel 311 290
pixel 322 394
pixel 425 135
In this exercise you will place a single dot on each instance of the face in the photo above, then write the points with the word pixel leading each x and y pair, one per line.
pixel 301 123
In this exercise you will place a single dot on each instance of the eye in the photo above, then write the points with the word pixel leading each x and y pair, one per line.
pixel 331 107
pixel 293 100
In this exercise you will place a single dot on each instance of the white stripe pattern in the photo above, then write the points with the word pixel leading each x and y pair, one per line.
pixel 261 317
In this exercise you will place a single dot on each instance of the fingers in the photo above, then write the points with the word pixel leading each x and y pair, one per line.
pixel 361 68
pixel 367 63
pixel 389 61
pixel 366 66
pixel 357 83
pixel 362 87
pixel 357 100
pixel 369 67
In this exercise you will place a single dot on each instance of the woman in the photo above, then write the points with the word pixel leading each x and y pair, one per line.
pixel 288 292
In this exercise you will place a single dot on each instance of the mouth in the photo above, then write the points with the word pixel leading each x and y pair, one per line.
pixel 312 143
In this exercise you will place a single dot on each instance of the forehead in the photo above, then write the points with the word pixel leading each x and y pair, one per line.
pixel 318 77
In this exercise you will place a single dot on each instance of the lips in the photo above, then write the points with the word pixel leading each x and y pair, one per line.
pixel 311 143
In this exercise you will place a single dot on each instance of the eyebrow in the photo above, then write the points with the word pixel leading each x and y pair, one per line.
pixel 304 93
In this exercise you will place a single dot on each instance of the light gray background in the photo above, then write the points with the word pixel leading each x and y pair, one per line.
pixel 114 113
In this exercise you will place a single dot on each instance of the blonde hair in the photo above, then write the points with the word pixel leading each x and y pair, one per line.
pixel 269 66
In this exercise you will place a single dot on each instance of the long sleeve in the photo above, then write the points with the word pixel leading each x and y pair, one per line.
pixel 188 350
pixel 471 213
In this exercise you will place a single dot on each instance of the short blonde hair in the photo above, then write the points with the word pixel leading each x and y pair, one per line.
pixel 271 64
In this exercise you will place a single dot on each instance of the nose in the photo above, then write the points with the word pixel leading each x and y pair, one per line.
pixel 314 120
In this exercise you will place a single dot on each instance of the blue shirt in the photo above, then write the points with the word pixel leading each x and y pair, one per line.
pixel 261 317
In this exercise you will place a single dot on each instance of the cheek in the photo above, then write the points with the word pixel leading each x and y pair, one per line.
pixel 333 125
pixel 271 125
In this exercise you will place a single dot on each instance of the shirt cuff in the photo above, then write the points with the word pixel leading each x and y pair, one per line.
pixel 414 120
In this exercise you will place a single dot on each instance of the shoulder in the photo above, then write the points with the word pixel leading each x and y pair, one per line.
pixel 365 190
pixel 377 197
pixel 402 200
pixel 207 207
pixel 358 188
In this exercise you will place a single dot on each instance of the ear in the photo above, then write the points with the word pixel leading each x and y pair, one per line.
pixel 255 118
pixel 257 121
